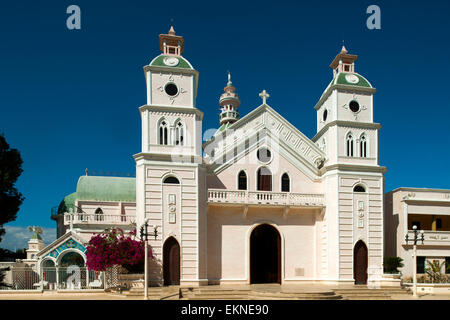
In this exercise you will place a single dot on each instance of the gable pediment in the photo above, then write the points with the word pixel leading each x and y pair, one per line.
pixel 68 241
pixel 263 126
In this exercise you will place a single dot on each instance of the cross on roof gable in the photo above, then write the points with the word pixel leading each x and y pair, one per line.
pixel 265 121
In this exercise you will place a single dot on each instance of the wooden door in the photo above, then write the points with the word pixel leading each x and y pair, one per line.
pixel 360 263
pixel 171 262
pixel 265 255
pixel 264 179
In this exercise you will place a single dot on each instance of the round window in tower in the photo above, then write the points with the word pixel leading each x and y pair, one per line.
pixel 325 115
pixel 354 106
pixel 264 155
pixel 171 89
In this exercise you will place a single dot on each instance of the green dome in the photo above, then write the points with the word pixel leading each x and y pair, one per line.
pixel 182 62
pixel 351 79
pixel 67 203
pixel 95 188
pixel 106 189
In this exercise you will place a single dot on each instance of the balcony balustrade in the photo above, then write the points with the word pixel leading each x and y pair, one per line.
pixel 83 218
pixel 432 238
pixel 266 198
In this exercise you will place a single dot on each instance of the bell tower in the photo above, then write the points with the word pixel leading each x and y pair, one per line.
pixel 229 102
pixel 170 176
pixel 353 178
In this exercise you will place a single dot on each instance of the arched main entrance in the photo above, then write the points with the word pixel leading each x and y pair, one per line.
pixel 72 273
pixel 171 262
pixel 265 255
pixel 360 263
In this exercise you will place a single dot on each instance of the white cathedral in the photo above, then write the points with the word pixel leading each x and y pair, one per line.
pixel 259 202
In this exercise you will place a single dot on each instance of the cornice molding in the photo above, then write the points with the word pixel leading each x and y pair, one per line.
pixel 442 191
pixel 173 70
pixel 167 157
pixel 344 87
pixel 427 201
pixel 171 110
pixel 353 167
pixel 346 124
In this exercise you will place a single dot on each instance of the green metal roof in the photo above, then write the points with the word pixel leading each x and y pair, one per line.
pixel 182 62
pixel 67 203
pixel 95 188
pixel 106 189
pixel 341 78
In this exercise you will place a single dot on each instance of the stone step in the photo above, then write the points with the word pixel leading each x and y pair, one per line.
pixel 217 294
pixel 230 292
pixel 371 291
pixel 366 298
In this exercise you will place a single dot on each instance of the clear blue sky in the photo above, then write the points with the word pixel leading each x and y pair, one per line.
pixel 69 99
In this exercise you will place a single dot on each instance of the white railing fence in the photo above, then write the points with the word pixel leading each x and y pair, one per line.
pixel 52 278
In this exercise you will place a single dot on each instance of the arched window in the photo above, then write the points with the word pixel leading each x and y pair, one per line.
pixel 350 144
pixel 99 215
pixel 179 134
pixel 264 179
pixel 163 135
pixel 242 180
pixel 171 180
pixel 359 188
pixel 363 146
pixel 285 183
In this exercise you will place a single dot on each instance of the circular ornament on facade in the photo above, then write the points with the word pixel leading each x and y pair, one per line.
pixel 351 78
pixel 264 155
pixel 354 106
pixel 171 61
pixel 171 89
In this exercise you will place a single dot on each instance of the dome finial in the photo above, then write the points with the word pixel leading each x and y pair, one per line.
pixel 229 79
pixel 343 50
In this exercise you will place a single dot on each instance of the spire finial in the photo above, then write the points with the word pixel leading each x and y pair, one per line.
pixel 229 79
pixel 343 50
pixel 172 31
pixel 264 95
pixel 86 171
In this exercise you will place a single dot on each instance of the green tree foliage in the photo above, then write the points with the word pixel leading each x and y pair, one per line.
pixel 8 255
pixel 391 264
pixel 10 170
pixel 2 278
pixel 434 270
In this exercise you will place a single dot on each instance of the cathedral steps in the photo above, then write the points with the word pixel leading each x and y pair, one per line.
pixel 325 295
pixel 220 293
pixel 206 293
pixel 155 293
pixel 249 294
pixel 365 293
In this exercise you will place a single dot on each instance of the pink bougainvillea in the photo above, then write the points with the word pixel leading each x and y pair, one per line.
pixel 113 247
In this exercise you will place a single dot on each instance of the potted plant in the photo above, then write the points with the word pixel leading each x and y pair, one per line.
pixel 391 265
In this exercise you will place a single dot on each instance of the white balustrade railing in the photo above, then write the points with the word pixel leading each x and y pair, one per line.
pixel 432 238
pixel 84 218
pixel 265 197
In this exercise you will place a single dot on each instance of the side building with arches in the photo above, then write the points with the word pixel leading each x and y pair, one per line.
pixel 99 203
